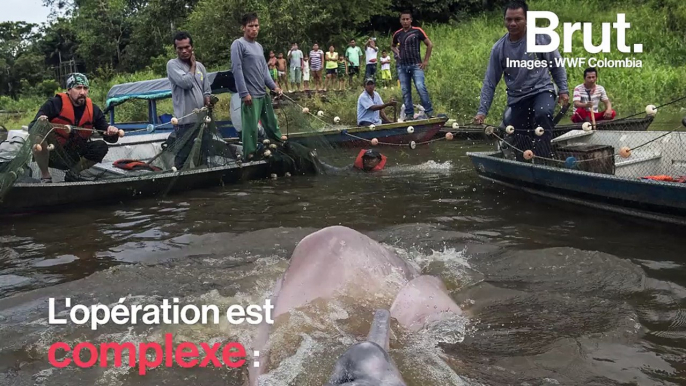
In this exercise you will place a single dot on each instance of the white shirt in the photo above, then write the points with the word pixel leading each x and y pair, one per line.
pixel 370 55
pixel 597 94
pixel 386 66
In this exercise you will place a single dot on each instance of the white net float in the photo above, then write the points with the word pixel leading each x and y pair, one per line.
pixel 174 121
pixel 336 119
pixel 489 130
pixel 539 131
pixel 509 129
pixel 208 119
pixel 651 110
pixel 410 129
pixel 587 126
pixel 320 113
pixel 413 145
pixel 267 153
pixel 456 125
pixel 372 127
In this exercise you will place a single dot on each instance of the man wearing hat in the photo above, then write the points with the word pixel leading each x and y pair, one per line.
pixel 370 106
pixel 76 152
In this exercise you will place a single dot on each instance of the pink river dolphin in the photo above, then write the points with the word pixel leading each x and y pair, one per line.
pixel 340 262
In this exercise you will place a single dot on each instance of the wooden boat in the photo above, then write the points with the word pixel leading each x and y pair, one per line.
pixel 603 179
pixel 114 185
pixel 222 82
pixel 477 132
pixel 397 133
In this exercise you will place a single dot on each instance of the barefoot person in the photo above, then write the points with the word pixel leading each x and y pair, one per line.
pixel 252 78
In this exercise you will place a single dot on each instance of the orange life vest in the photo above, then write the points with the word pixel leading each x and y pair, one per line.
pixel 67 117
pixel 360 165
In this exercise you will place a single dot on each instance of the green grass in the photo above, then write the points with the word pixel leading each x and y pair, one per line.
pixel 458 64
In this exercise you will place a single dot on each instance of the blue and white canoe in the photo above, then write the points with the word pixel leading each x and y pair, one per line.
pixel 624 189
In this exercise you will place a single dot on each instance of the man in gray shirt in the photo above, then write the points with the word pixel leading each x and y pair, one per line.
pixel 251 73
pixel 190 90
pixel 530 92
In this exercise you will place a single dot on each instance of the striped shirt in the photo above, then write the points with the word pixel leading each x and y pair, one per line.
pixel 408 43
pixel 597 94
pixel 316 60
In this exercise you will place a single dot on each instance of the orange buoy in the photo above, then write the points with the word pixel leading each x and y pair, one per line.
pixel 625 152
pixel 375 142
pixel 528 154
pixel 449 136
pixel 37 147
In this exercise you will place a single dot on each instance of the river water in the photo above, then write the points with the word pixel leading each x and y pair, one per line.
pixel 554 294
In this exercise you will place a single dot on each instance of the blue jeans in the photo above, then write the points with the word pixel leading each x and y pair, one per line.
pixel 407 73
pixel 525 116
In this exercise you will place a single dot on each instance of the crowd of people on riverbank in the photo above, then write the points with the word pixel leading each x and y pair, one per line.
pixel 531 92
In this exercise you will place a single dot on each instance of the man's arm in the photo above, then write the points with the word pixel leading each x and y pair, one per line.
pixel 394 45
pixel 179 76
pixel 559 74
pixel 429 47
pixel 237 69
pixel 51 109
pixel 100 123
pixel 493 74
pixel 608 105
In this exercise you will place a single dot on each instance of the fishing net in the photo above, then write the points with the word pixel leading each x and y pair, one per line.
pixel 189 148
pixel 622 147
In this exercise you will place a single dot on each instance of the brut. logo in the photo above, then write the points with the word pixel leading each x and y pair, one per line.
pixel 568 31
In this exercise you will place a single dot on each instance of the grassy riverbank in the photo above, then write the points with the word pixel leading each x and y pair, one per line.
pixel 459 60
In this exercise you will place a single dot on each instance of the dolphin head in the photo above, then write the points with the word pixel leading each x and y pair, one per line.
pixel 368 363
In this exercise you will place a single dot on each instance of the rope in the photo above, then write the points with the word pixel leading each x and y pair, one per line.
pixel 326 124
pixel 657 107
pixel 578 161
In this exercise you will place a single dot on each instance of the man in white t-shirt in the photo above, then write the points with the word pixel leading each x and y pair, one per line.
pixel 587 96
pixel 370 53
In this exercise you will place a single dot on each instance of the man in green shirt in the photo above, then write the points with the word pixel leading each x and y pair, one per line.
pixel 353 54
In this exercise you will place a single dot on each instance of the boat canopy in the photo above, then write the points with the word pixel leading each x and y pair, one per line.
pixel 220 82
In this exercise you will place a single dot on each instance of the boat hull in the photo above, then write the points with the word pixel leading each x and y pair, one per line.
pixel 654 200
pixel 26 198
pixel 393 133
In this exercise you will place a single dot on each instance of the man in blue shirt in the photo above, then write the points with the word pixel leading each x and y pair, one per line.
pixel 370 106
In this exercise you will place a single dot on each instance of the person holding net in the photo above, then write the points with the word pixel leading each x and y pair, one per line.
pixel 75 150
pixel 252 78
pixel 530 91
pixel 190 91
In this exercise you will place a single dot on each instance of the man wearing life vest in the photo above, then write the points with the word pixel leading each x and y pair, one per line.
pixel 370 161
pixel 77 151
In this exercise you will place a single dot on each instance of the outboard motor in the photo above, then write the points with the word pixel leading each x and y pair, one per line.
pixel 368 363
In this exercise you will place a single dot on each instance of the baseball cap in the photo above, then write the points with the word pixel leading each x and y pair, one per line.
pixel 369 80
pixel 371 154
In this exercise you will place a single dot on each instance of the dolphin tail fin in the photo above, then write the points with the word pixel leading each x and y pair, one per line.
pixel 380 330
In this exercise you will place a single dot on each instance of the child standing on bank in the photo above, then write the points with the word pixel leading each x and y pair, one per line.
pixel 342 70
pixel 386 76
pixel 306 73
